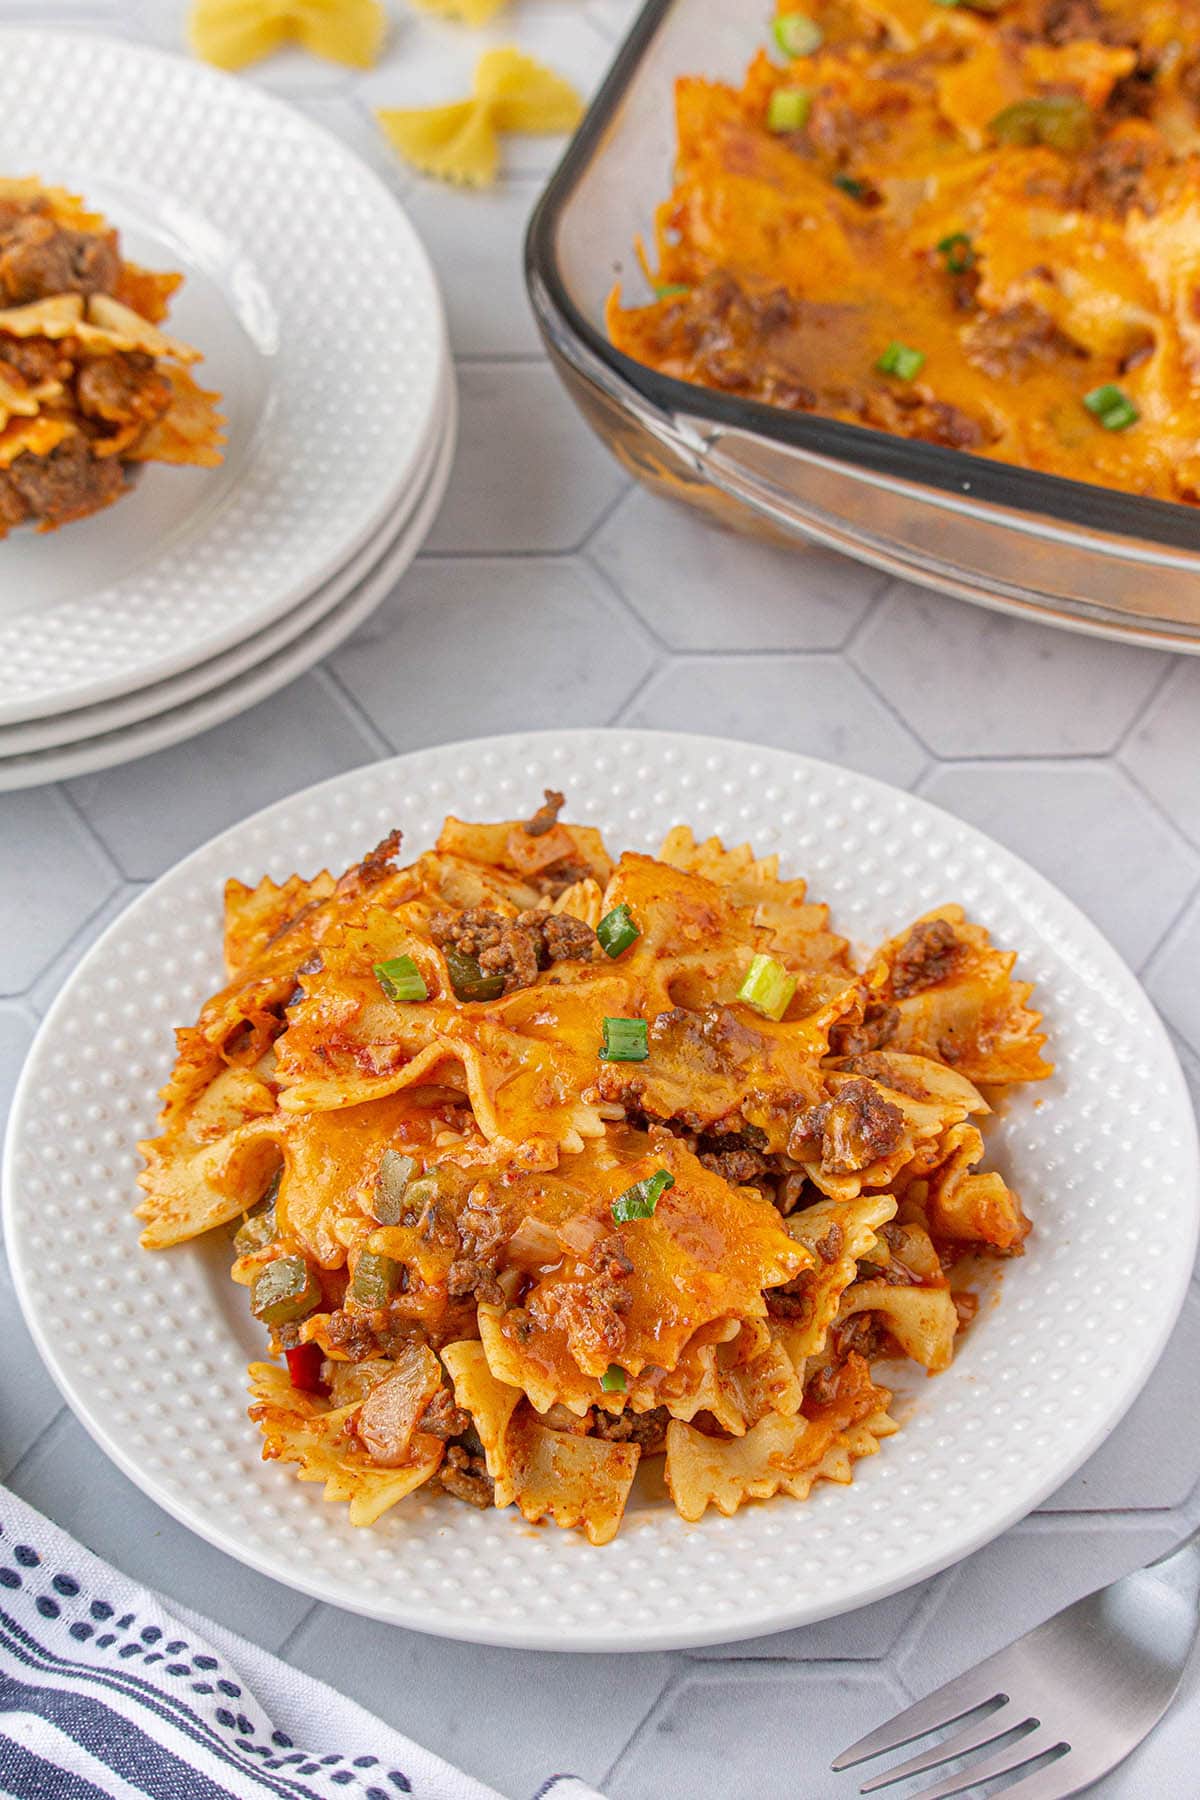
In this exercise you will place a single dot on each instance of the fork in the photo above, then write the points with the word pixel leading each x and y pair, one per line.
pixel 1067 1702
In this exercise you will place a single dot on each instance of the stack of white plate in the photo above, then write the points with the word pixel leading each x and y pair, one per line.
pixel 319 318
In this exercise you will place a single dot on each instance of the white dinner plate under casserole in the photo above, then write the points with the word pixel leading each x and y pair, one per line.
pixel 151 1350
pixel 108 723
pixel 318 314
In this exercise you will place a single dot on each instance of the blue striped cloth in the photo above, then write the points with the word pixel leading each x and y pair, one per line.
pixel 105 1695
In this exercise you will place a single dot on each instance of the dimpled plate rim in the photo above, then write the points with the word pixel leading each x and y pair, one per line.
pixel 203 712
pixel 1110 1155
pixel 67 731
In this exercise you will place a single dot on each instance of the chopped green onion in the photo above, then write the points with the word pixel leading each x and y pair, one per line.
pixel 258 1228
pixel 376 1279
pixel 1112 407
pixel 401 979
pixel 797 34
pixel 614 1380
pixel 390 1199
pixel 959 252
pixel 900 361
pixel 788 108
pixel 768 987
pixel 1060 121
pixel 639 1201
pixel 468 979
pixel 421 1195
pixel 1120 418
pixel 285 1291
pixel 625 1040
pixel 671 290
pixel 616 931
pixel 848 185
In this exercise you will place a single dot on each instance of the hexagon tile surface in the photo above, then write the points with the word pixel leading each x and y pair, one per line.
pixel 554 592
pixel 1007 678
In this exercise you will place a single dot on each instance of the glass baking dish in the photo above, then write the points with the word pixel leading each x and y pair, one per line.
pixel 1079 556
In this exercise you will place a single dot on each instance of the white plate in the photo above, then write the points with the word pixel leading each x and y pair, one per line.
pixel 161 696
pixel 252 685
pixel 150 1351
pixel 319 315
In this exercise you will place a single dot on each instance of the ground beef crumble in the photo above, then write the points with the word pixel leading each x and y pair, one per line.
pixel 829 1247
pixel 878 1024
pixel 648 1430
pixel 463 1473
pixel 1110 178
pixel 850 1131
pixel 861 1335
pixel 443 1419
pixel 732 1157
pixel 123 389
pixel 474 1269
pixel 70 483
pixel 518 949
pixel 594 1316
pixel 40 258
pixel 792 1301
pixel 1007 344
pixel 929 953
pixel 546 816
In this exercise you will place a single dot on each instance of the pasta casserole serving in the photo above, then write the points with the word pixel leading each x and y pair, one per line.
pixel 972 222
pixel 544 1166
pixel 91 387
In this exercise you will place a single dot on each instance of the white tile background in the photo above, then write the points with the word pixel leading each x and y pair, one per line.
pixel 551 592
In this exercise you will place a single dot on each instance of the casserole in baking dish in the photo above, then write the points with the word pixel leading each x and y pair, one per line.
pixel 735 437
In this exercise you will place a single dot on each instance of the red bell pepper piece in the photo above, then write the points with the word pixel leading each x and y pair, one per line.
pixel 304 1367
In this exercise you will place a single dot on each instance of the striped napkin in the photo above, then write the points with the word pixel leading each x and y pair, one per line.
pixel 105 1695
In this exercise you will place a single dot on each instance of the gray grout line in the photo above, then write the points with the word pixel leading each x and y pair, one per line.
pixel 1174 664
pixel 593 564
pixel 282 1650
pixel 76 937
pixel 13 1474
pixel 597 525
pixel 1020 758
pixel 567 554
pixel 675 1678
pixel 470 359
pixel 888 705
pixel 354 708
pixel 858 631
pixel 631 699
pixel 69 800
pixel 937 1589
pixel 1168 933
pixel 1160 812
pixel 22 1003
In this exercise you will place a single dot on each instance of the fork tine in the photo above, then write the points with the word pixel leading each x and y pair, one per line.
pixel 975 1737
pixel 1013 1756
pixel 946 1704
pixel 1054 1782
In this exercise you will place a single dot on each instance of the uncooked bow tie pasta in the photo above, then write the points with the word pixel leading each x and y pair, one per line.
pixel 460 142
pixel 471 12
pixel 232 33
pixel 543 1164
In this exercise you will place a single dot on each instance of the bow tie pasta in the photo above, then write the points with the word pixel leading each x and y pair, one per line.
pixel 543 1164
